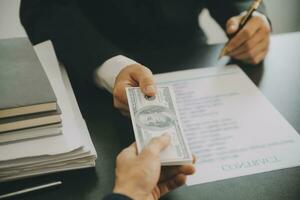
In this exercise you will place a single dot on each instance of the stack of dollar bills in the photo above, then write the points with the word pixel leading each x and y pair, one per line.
pixel 154 116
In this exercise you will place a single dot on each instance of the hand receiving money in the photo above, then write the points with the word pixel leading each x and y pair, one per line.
pixel 141 176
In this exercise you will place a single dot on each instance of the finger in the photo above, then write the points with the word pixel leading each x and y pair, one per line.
pixel 252 53
pixel 261 46
pixel 232 25
pixel 244 34
pixel 120 105
pixel 119 92
pixel 250 44
pixel 145 80
pixel 156 145
pixel 194 159
pixel 125 113
pixel 128 153
pixel 123 108
pixel 258 59
pixel 172 184
pixel 170 172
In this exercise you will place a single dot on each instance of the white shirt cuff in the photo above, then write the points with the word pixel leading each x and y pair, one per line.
pixel 107 73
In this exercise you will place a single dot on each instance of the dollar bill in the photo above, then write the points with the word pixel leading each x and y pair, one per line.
pixel 154 116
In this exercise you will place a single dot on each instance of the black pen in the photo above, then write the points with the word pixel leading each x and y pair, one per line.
pixel 243 22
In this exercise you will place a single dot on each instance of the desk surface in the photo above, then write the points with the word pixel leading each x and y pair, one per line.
pixel 278 79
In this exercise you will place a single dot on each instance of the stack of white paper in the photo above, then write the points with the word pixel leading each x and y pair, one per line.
pixel 71 150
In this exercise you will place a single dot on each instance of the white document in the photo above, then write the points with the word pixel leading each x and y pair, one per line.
pixel 69 140
pixel 72 150
pixel 32 133
pixel 62 87
pixel 230 126
pixel 85 135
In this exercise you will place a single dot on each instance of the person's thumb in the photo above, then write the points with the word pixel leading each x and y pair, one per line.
pixel 145 80
pixel 156 145
pixel 232 24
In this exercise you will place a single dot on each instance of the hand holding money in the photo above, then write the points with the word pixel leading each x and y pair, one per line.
pixel 132 76
pixel 141 176
pixel 153 116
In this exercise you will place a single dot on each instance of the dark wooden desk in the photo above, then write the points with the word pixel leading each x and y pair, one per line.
pixel 279 80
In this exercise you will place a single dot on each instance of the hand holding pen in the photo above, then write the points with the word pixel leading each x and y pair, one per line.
pixel 249 36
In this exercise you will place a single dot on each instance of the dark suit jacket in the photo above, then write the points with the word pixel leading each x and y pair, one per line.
pixel 85 33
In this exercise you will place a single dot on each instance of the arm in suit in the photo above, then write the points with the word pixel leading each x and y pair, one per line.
pixel 222 10
pixel 77 43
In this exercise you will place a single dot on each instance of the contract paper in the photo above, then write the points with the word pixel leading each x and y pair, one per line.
pixel 230 126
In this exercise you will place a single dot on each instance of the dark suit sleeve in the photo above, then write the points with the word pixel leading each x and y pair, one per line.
pixel 115 196
pixel 222 10
pixel 77 43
